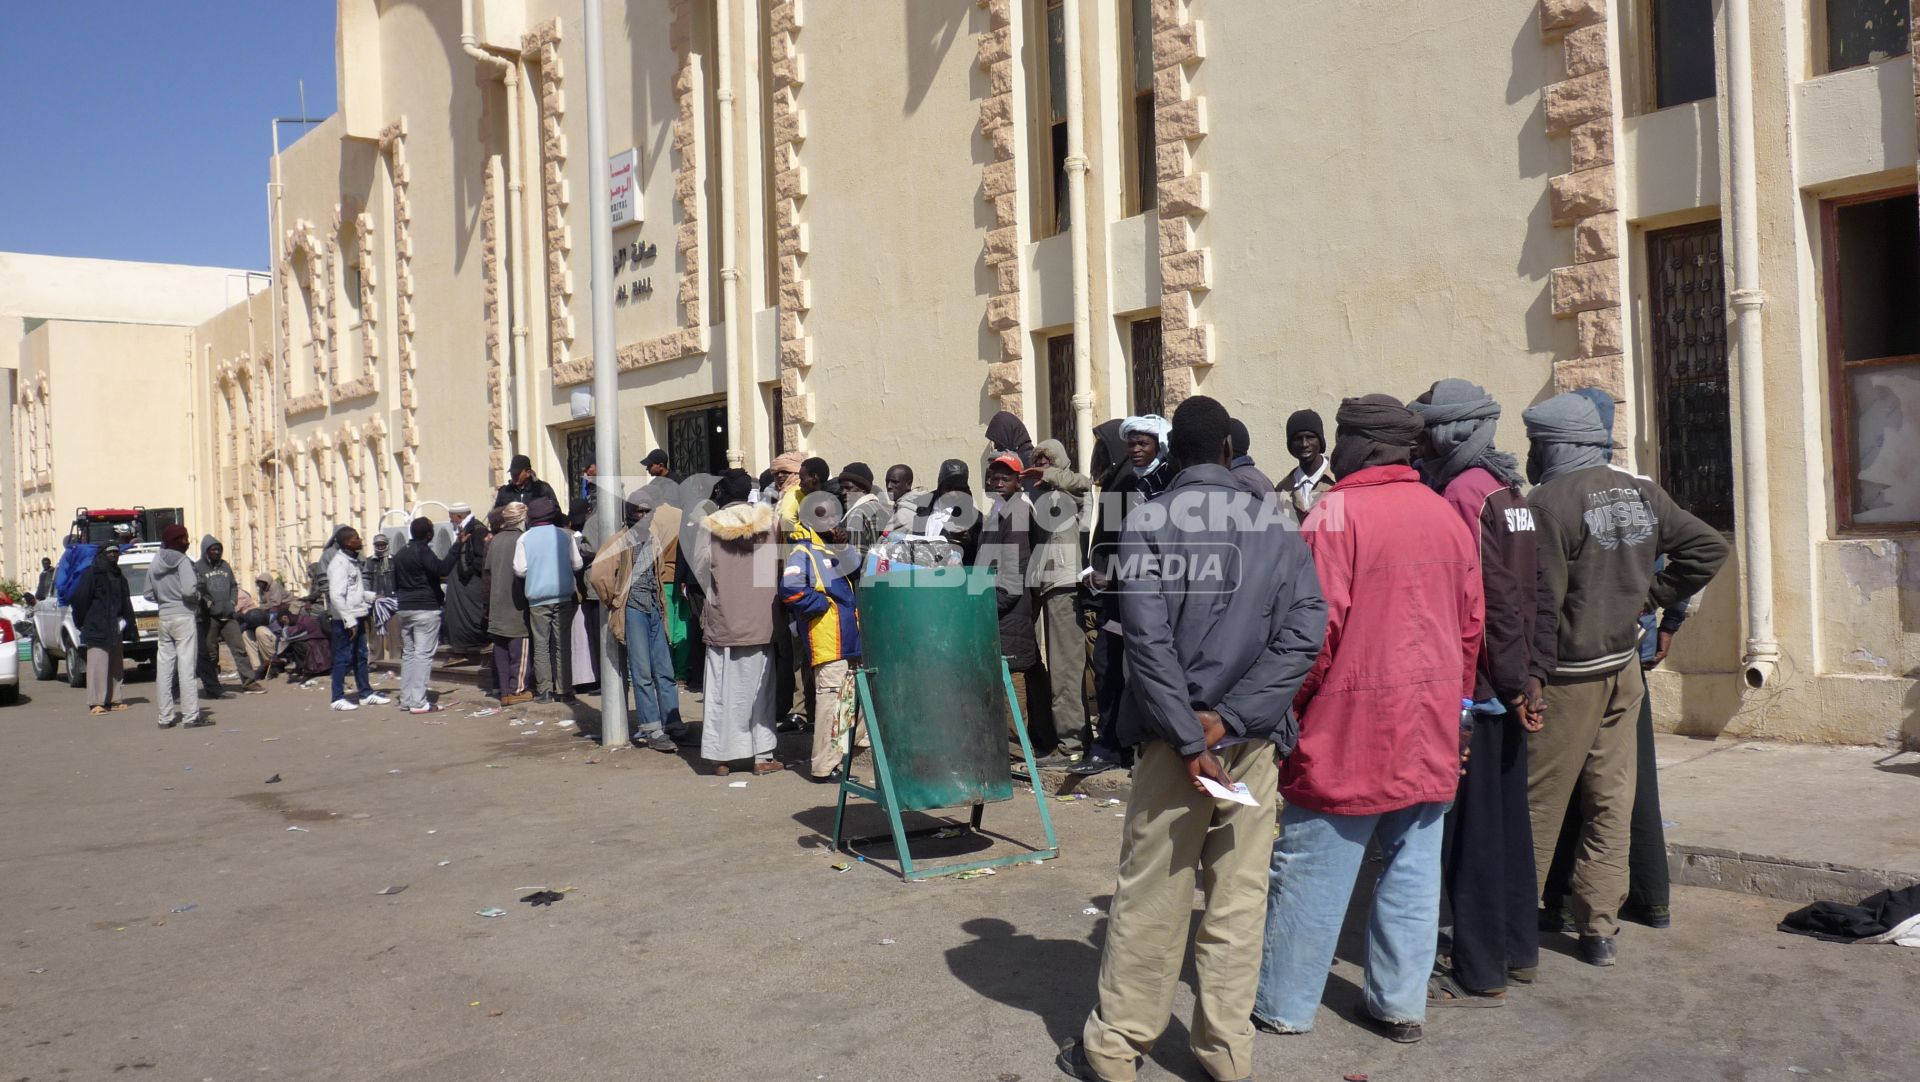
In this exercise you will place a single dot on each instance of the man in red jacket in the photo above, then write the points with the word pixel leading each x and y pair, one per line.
pixel 1487 865
pixel 1380 728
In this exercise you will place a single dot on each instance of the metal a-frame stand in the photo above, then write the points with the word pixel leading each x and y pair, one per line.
pixel 882 793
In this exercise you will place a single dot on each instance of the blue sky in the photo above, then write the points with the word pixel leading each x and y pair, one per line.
pixel 140 130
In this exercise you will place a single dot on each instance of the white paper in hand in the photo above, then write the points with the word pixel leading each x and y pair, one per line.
pixel 1238 794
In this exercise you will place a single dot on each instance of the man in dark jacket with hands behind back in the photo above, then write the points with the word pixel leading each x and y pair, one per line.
pixel 1223 619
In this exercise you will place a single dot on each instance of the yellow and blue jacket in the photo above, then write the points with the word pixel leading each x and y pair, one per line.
pixel 816 591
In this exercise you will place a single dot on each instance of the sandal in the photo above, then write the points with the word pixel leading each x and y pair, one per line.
pixel 97 711
pixel 1444 991
pixel 771 767
pixel 721 770
pixel 117 707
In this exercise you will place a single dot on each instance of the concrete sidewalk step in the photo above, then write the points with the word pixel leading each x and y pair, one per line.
pixel 1790 821
pixel 1795 822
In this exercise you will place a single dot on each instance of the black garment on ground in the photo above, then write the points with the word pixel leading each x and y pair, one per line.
pixel 1877 914
pixel 1487 860
pixel 417 574
pixel 100 603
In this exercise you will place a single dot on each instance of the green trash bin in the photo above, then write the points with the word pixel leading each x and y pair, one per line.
pixel 938 700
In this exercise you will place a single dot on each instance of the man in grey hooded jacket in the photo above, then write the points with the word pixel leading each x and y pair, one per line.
pixel 218 623
pixel 173 585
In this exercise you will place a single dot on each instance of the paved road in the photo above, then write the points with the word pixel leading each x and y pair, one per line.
pixel 706 937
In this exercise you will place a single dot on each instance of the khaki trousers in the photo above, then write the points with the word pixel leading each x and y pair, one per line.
pixel 1067 666
pixel 1172 834
pixel 1590 736
pixel 828 679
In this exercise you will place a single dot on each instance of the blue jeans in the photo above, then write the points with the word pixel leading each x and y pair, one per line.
pixel 656 697
pixel 349 648
pixel 1315 862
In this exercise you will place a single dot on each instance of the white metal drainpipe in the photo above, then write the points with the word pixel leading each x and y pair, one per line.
pixel 1077 238
pixel 729 260
pixel 1749 302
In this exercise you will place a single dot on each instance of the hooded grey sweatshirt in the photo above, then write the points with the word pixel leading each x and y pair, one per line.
pixel 223 591
pixel 170 582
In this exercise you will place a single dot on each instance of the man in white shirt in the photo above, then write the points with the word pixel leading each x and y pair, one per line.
pixel 1307 441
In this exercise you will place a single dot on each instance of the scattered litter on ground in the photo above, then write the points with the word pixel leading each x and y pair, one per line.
pixel 309 683
pixel 475 1002
pixel 1798 1070
pixel 976 873
pixel 397 888
pixel 539 723
pixel 490 911
pixel 229 730
pixel 593 760
pixel 736 785
pixel 485 712
pixel 840 867
pixel 1123 815
pixel 358 815
pixel 268 739
pixel 444 863
pixel 1090 911
pixel 1669 824
pixel 1355 1077
pixel 41 969
pixel 433 832
pixel 188 908
pixel 275 780
pixel 543 897
pixel 950 832
pixel 495 766
pixel 302 830
pixel 516 723
pixel 395 770
pixel 1065 798
pixel 495 1013
pixel 1110 802
pixel 886 942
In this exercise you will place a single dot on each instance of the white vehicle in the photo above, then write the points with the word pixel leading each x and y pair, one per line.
pixel 56 639
pixel 13 625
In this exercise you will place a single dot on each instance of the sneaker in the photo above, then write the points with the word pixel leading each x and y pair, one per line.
pixel 168 723
pixel 515 699
pixel 428 708
pixel 1265 1026
pixel 793 723
pixel 683 737
pixel 198 721
pixel 656 742
pixel 543 698
pixel 255 688
pixel 374 698
pixel 1598 950
pixel 1397 1032
pixel 345 704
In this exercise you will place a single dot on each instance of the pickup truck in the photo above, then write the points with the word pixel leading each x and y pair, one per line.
pixel 56 639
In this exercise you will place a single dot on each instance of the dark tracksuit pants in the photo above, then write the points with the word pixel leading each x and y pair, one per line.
pixel 1487 860
pixel 1648 878
pixel 1110 684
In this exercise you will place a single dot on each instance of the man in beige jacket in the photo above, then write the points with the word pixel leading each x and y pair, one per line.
pixel 626 575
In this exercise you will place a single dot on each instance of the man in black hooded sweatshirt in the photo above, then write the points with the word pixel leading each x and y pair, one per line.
pixel 218 623
pixel 522 486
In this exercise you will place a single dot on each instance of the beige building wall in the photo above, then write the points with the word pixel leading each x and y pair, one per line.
pixel 1329 222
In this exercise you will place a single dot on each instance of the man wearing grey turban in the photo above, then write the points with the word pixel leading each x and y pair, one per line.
pixel 1488 869
pixel 1601 530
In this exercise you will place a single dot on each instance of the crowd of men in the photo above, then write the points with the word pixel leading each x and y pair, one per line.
pixel 1400 643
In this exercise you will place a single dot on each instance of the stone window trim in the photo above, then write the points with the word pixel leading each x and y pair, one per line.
pixel 1001 183
pixel 691 339
pixel 303 246
pixel 785 19
pixel 393 143
pixel 1186 275
pixel 367 383
pixel 1583 199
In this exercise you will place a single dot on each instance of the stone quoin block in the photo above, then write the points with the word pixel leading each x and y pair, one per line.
pixel 1012 344
pixel 1178 45
pixel 1586 49
pixel 1560 15
pixel 1609 373
pixel 1597 238
pixel 1578 100
pixel 999 178
pixel 1581 195
pixel 1601 332
pixel 1585 286
pixel 1593 143
pixel 1003 378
